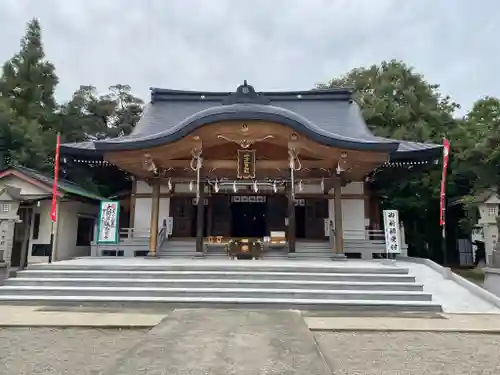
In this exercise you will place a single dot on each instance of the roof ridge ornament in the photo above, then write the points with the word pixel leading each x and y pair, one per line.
pixel 245 94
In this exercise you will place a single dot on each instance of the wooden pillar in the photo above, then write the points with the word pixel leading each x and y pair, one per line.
pixel 132 203
pixel 337 205
pixel 210 214
pixel 155 212
pixel 291 219
pixel 199 219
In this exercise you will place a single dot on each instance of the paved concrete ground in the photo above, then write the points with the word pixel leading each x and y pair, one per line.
pixel 477 323
pixel 225 342
pixel 33 316
pixel 46 351
pixel 453 297
pixel 405 353
pixel 107 317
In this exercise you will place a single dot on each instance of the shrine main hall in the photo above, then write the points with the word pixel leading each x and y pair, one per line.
pixel 283 168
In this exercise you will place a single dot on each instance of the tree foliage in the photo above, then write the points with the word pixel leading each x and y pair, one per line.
pixel 30 117
pixel 399 103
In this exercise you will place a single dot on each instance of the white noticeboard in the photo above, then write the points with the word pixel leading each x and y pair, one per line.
pixel 326 227
pixel 392 233
pixel 170 225
pixel 107 227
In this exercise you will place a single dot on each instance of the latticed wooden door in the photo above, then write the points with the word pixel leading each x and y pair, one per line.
pixel 181 209
pixel 316 213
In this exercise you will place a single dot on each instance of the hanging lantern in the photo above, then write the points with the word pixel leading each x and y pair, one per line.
pixel 169 184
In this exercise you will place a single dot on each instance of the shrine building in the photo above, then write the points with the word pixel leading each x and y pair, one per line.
pixel 290 168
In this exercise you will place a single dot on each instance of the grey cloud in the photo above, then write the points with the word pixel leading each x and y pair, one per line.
pixel 278 44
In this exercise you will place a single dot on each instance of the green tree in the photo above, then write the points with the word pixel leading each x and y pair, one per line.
pixel 27 87
pixel 482 157
pixel 127 111
pixel 28 81
pixel 91 116
pixel 399 103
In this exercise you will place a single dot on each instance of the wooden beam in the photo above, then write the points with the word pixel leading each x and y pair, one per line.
pixel 133 198
pixel 291 219
pixel 268 193
pixel 232 164
pixel 200 212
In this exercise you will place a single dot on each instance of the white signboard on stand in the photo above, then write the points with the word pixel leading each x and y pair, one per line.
pixel 326 227
pixel 392 233
pixel 107 227
pixel 170 225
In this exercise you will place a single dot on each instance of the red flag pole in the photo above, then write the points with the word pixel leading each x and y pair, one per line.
pixel 442 199
pixel 53 210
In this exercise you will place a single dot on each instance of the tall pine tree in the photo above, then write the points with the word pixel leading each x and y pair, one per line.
pixel 27 88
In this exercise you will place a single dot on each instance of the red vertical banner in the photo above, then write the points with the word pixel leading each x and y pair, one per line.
pixel 442 200
pixel 53 216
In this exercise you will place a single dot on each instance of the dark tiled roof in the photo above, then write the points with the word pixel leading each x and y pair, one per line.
pixel 329 116
pixel 64 185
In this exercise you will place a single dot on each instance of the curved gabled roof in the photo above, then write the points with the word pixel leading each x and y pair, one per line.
pixel 329 117
pixel 247 112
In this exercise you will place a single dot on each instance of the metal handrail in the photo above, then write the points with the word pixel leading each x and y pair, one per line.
pixel 331 237
pixel 129 233
pixel 365 234
pixel 162 235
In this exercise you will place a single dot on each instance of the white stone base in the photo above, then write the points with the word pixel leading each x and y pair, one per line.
pixel 492 280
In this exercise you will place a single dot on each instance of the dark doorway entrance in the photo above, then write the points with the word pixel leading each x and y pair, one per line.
pixel 19 257
pixel 194 218
pixel 300 222
pixel 248 219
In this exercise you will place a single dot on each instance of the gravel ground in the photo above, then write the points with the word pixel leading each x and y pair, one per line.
pixel 44 351
pixel 402 353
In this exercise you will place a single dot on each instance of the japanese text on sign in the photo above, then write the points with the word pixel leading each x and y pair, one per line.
pixel 392 232
pixel 246 163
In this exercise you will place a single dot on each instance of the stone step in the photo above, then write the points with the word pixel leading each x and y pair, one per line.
pixel 233 275
pixel 221 302
pixel 215 292
pixel 215 283
pixel 240 265
pixel 176 253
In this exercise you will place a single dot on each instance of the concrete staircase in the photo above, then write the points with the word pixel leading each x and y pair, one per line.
pixel 178 248
pixel 313 250
pixel 229 284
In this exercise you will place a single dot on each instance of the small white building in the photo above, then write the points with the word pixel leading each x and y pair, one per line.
pixel 26 198
pixel 486 227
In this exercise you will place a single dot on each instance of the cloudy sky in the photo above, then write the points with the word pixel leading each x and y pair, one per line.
pixel 274 44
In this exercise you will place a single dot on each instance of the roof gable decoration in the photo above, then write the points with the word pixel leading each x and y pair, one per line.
pixel 493 199
pixel 44 182
pixel 245 94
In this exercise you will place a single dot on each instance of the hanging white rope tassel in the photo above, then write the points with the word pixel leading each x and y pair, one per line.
pixel 292 174
pixel 196 164
pixel 295 165
pixel 198 182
